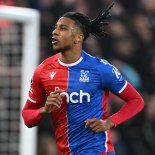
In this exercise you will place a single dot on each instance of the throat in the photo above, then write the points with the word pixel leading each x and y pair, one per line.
pixel 69 57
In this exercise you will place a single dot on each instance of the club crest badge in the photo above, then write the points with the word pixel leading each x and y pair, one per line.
pixel 84 76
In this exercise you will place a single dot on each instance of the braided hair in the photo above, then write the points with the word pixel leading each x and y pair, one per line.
pixel 88 26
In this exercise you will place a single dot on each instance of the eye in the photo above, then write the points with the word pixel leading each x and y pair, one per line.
pixel 63 28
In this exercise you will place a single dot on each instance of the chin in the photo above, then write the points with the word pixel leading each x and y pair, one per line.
pixel 57 49
pixel 61 49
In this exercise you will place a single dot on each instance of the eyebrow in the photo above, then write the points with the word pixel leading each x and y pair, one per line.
pixel 61 25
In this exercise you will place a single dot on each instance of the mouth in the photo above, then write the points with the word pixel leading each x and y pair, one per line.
pixel 54 40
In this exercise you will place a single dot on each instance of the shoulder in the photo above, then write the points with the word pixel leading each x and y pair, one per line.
pixel 98 63
pixel 47 62
pixel 105 69
pixel 51 60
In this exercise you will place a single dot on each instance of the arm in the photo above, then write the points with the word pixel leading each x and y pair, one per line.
pixel 35 101
pixel 34 113
pixel 133 104
pixel 37 106
pixel 31 114
pixel 116 83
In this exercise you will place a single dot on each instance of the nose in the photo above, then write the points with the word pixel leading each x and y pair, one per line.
pixel 55 32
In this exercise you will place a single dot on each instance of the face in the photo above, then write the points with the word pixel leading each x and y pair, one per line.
pixel 65 35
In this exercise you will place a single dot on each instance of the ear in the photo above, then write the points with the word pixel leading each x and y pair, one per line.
pixel 79 38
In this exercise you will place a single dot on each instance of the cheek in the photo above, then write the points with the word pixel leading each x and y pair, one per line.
pixel 68 39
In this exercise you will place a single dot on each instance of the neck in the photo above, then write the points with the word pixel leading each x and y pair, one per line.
pixel 70 56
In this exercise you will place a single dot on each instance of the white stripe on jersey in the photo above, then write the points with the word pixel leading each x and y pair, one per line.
pixel 106 146
pixel 123 87
pixel 33 101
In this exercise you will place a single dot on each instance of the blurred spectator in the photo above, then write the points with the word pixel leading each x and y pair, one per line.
pixel 149 125
pixel 148 5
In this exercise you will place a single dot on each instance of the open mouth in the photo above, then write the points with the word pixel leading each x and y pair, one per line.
pixel 54 40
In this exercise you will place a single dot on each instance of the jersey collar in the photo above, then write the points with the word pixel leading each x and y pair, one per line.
pixel 71 64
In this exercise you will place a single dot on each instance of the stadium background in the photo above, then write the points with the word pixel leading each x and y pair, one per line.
pixel 130 47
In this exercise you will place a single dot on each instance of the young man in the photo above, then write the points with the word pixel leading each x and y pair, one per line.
pixel 73 86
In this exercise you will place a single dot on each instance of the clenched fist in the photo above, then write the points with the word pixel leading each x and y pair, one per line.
pixel 54 101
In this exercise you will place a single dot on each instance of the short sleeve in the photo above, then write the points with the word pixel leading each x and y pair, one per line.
pixel 112 79
pixel 37 93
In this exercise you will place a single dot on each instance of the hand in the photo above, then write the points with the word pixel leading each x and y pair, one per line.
pixel 98 125
pixel 54 101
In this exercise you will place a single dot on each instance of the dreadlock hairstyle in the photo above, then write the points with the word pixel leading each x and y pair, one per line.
pixel 88 26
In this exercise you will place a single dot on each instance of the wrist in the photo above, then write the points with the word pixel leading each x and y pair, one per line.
pixel 112 119
pixel 110 123
pixel 43 112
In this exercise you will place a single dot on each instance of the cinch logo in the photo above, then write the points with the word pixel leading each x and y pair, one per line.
pixel 75 97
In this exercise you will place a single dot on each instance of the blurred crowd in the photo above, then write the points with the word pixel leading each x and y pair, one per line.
pixel 130 46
